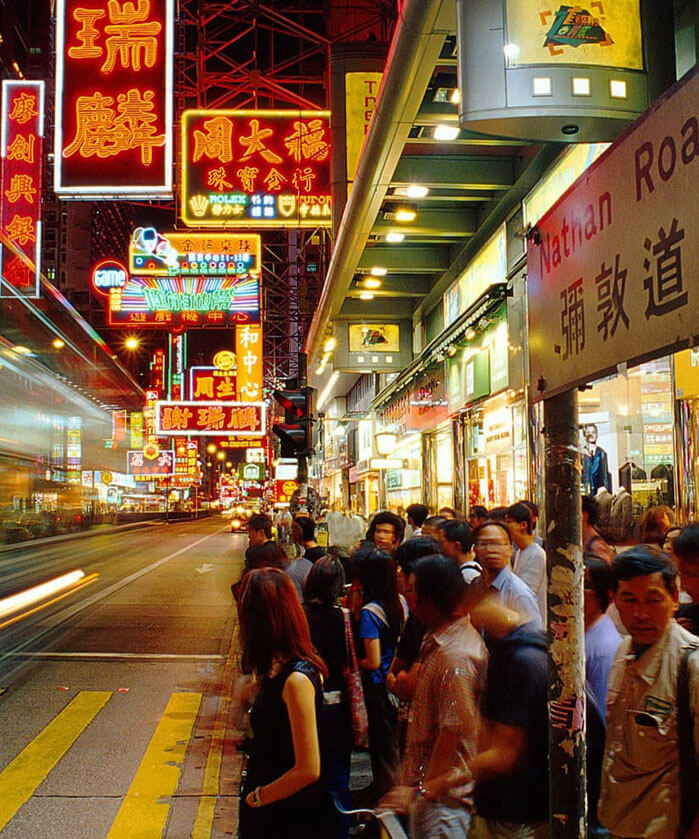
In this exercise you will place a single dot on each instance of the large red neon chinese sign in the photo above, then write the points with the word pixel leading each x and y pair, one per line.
pixel 256 169
pixel 21 143
pixel 113 98
pixel 235 419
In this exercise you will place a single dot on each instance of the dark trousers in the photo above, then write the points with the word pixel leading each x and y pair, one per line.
pixel 383 748
pixel 336 762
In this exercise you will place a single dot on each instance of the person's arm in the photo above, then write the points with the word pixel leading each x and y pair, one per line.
pixel 405 682
pixel 372 654
pixel 299 697
pixel 502 749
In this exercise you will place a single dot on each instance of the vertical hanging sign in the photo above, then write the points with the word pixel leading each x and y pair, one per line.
pixel 114 66
pixel 21 140
pixel 248 350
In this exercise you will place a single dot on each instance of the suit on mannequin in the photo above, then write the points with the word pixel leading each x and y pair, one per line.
pixel 595 467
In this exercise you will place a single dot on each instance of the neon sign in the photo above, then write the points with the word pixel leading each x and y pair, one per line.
pixel 234 419
pixel 248 351
pixel 256 169
pixel 21 147
pixel 211 383
pixel 211 254
pixel 114 64
pixel 185 301
pixel 138 463
pixel 108 274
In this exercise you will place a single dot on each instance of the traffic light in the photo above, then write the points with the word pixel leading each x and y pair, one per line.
pixel 296 432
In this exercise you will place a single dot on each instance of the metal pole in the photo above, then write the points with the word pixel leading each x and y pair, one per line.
pixel 302 474
pixel 566 633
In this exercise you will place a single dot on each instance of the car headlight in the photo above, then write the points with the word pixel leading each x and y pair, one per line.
pixel 236 523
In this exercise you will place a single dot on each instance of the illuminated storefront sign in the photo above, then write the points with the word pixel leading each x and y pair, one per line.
pixel 248 349
pixel 361 91
pixel 22 137
pixel 604 33
pixel 204 254
pixel 140 465
pixel 235 419
pixel 488 268
pixel 114 64
pixel 137 428
pixel 212 384
pixel 108 274
pixel 185 301
pixel 256 169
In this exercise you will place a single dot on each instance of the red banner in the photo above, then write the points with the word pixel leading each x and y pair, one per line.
pixel 256 169
pixel 212 384
pixel 283 490
pixel 20 185
pixel 114 65
pixel 235 419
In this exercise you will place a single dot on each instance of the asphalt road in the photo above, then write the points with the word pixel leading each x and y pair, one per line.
pixel 115 695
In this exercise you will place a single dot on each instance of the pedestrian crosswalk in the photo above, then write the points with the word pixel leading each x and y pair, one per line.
pixel 145 807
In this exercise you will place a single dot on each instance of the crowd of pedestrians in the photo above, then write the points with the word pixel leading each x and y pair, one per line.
pixel 442 623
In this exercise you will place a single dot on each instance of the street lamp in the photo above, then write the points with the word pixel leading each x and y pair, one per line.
pixel 211 448
pixel 385 442
pixel 132 343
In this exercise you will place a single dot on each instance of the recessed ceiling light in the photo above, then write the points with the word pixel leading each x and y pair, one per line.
pixel 371 283
pixel 416 191
pixel 395 237
pixel 405 215
pixel 366 295
pixel 541 86
pixel 455 97
pixel 377 271
pixel 617 89
pixel 446 132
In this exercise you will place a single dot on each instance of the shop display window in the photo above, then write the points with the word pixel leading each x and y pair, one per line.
pixel 626 444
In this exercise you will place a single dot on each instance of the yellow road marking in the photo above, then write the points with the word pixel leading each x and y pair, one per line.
pixel 145 808
pixel 31 766
pixel 203 825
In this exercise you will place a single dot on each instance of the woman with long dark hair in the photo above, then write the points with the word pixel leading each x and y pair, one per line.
pixel 282 795
pixel 321 593
pixel 380 622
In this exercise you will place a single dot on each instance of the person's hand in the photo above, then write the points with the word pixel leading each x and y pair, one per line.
pixel 685 623
pixel 398 800
pixel 390 682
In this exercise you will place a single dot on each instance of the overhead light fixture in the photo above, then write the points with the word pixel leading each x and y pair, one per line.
pixel 330 344
pixel 376 271
pixel 470 333
pixel 541 86
pixel 617 89
pixel 581 86
pixel 416 191
pixel 511 52
pixel 406 214
pixel 366 295
pixel 445 94
pixel 132 343
pixel 452 349
pixel 446 132
pixel 327 390
pixel 394 238
pixel 372 283
pixel 58 343
pixel 20 350
pixel 455 97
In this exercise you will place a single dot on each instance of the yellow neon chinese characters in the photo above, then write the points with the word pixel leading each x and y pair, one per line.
pixel 22 148
pixel 102 131
pixel 21 229
pixel 21 186
pixel 216 141
pixel 87 35
pixel 23 108
pixel 255 143
pixel 307 142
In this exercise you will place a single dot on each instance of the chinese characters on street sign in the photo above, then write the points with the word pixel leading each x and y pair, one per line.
pixel 256 169
pixel 210 383
pixel 20 183
pixel 142 466
pixel 170 302
pixel 235 419
pixel 248 350
pixel 113 98
pixel 204 254
pixel 615 277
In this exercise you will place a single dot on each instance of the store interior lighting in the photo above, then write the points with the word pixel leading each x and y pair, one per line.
pixel 406 214
pixel 372 283
pixel 446 133
pixel 394 238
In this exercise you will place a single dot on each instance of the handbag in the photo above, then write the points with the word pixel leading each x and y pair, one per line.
pixel 355 691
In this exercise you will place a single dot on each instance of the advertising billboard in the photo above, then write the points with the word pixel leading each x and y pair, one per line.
pixel 114 64
pixel 235 419
pixel 256 169
pixel 21 146
pixel 171 254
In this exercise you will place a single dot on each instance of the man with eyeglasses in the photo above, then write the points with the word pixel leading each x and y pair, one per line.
pixel 493 550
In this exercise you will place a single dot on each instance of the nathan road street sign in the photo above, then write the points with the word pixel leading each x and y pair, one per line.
pixel 613 275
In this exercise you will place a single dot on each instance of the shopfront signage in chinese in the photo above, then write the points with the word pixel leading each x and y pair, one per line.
pixel 21 146
pixel 212 419
pixel 361 92
pixel 606 33
pixel 170 302
pixel 114 64
pixel 251 471
pixel 256 169
pixel 170 254
pixel 615 276
pixel 210 383
pixel 283 490
pixel 248 350
pixel 141 466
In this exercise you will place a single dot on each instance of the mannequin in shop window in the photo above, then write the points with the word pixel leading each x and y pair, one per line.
pixel 630 472
pixel 594 462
